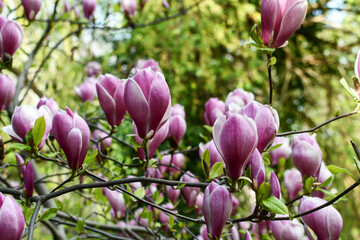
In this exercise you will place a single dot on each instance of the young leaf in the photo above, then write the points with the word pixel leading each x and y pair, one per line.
pixel 274 147
pixel 180 186
pixel 171 221
pixel 263 192
pixel 327 182
pixel 255 35
pixel 48 214
pixel 140 192
pixel 335 170
pixel 350 90
pixel 275 205
pixel 80 225
pixel 90 158
pixel 39 130
pixel 309 183
pixel 272 61
pixel 216 170
pixel 19 146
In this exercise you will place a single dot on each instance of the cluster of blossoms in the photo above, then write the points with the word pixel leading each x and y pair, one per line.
pixel 243 132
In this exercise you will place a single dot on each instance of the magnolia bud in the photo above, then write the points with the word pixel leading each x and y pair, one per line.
pixel 284 151
pixel 7 91
pixel 106 139
pixel 214 153
pixel 93 68
pixel 24 119
pixel 73 135
pixel 173 194
pixel 190 193
pixel 116 201
pixel 12 36
pixel 199 204
pixel 235 204
pixel 29 180
pixel 142 63
pixel 280 19
pixel 229 132
pixel 50 103
pixel 239 97
pixel 293 182
pixel 86 91
pixel 326 222
pixel 110 91
pixel 89 7
pixel 322 176
pixel 214 108
pixel 31 8
pixel 164 217
pixel 177 128
pixel 129 6
pixel 12 220
pixel 275 186
pixel 178 161
pixel 257 169
pixel 306 155
pixel 216 208
pixel 22 168
pixel 147 99
pixel 286 229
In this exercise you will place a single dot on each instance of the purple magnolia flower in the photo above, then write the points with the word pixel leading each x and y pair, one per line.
pixel 282 152
pixel 280 19
pixel 239 97
pixel 89 7
pixel 321 177
pixel 110 91
pixel 267 122
pixel 86 91
pixel 164 217
pixel 116 201
pixel 178 161
pixel 214 153
pixel 77 12
pixel 73 135
pixel 214 108
pixel 29 180
pixel 275 186
pixel 11 36
pixel 326 222
pixel 190 193
pixel 230 132
pixel 306 154
pixel 235 204
pixel 93 68
pixel 173 194
pixel 23 120
pixel 129 6
pixel 257 169
pixel 147 99
pixel 106 142
pixel 142 63
pixel 50 103
pixel 22 168
pixel 177 128
pixel 293 182
pixel 287 230
pixel 217 208
pixel 66 6
pixel 199 204
pixel 165 4
pixel 31 7
pixel 153 143
pixel 357 66
pixel 178 109
pixel 7 91
pixel 12 219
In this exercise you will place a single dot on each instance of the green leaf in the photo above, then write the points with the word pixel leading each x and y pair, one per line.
pixel 216 170
pixel 208 128
pixel 80 225
pixel 153 163
pixel 309 183
pixel 350 90
pixel 272 61
pixel 171 221
pixel 158 199
pixel 140 192
pixel 255 35
pixel 274 147
pixel 206 156
pixel 266 160
pixel 263 192
pixel 28 212
pixel 39 130
pixel 19 146
pixel 90 158
pixel 180 186
pixel 327 182
pixel 275 205
pixel 48 214
pixel 336 170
